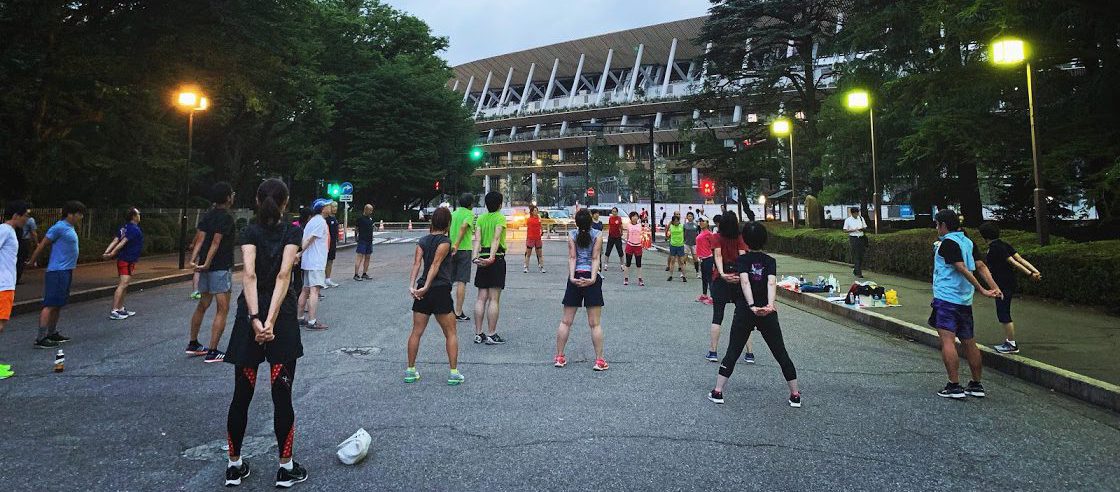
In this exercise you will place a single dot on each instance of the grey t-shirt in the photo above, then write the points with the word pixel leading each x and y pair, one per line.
pixel 428 246
pixel 691 230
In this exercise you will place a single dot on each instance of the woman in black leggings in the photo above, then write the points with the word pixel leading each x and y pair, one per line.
pixel 266 328
pixel 756 310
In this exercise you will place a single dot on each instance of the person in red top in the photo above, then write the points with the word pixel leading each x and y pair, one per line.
pixel 614 236
pixel 726 247
pixel 533 238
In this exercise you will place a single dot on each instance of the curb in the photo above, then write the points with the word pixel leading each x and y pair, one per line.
pixel 1079 386
pixel 33 305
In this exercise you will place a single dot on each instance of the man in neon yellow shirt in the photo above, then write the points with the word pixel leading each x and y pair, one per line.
pixel 490 256
pixel 675 233
pixel 462 245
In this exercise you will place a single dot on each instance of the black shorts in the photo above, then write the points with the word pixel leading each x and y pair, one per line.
pixel 437 301
pixel 491 277
pixel 243 349
pixel 1003 306
pixel 591 296
pixel 331 252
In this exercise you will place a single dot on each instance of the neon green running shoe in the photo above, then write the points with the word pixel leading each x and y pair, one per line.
pixel 6 374
pixel 411 375
pixel 455 379
pixel 5 368
pixel 196 295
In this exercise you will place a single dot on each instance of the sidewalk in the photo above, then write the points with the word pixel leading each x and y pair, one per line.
pixel 1075 338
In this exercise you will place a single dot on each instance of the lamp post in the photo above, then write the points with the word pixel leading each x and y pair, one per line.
pixel 1012 51
pixel 782 127
pixel 189 100
pixel 858 100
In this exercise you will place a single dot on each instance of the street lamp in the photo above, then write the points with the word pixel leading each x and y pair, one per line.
pixel 858 100
pixel 782 127
pixel 1012 51
pixel 189 100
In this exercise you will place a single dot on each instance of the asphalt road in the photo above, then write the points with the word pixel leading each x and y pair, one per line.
pixel 131 412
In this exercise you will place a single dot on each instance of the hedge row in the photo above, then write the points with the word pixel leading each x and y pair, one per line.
pixel 1076 272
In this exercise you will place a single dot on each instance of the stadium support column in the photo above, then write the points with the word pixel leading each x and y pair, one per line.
pixel 559 181
pixel 603 78
pixel 467 93
pixel 482 97
pixel 551 82
pixel 528 87
pixel 669 67
pixel 534 187
pixel 486 183
pixel 575 81
pixel 505 88
pixel 634 75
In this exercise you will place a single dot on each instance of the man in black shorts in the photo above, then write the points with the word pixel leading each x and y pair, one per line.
pixel 490 256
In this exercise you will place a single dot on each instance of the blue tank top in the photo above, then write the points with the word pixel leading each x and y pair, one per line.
pixel 948 284
pixel 583 255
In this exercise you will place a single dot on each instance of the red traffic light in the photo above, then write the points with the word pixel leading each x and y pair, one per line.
pixel 707 188
pixel 437 185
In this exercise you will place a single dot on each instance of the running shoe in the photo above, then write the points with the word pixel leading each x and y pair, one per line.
pixel 455 379
pixel 196 349
pixel 58 337
pixel 525 270
pixel 235 474
pixel 126 311
pixel 411 375
pixel 600 365
pixel 196 295
pixel 670 279
pixel 332 284
pixel 625 281
pixel 976 389
pixel 365 276
pixel 700 298
pixel 6 374
pixel 479 338
pixel 641 283
pixel 45 343
pixel 542 270
pixel 5 367
pixel 952 390
pixel 1007 347
pixel 559 361
pixel 214 355
pixel 357 278
pixel 494 340
pixel 303 322
pixel 684 279
pixel 748 358
pixel 709 301
pixel 716 397
pixel 287 478
pixel 666 268
pixel 712 356
pixel 115 315
pixel 795 400
pixel 622 269
pixel 316 325
pixel 462 317
pixel 699 275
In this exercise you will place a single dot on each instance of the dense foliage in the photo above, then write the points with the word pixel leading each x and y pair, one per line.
pixel 306 90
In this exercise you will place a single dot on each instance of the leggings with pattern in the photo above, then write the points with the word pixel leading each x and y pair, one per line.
pixel 284 416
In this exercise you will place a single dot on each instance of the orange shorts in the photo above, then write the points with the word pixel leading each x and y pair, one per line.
pixel 7 297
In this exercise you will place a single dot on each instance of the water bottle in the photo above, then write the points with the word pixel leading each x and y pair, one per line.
pixel 59 361
pixel 833 282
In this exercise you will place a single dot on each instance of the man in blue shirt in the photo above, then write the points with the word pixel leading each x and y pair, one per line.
pixel 955 257
pixel 126 246
pixel 63 240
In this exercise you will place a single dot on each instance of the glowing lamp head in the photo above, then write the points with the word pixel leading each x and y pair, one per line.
pixel 203 103
pixel 1008 51
pixel 780 127
pixel 858 99
pixel 187 99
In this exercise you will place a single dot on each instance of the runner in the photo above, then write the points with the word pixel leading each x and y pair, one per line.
pixel 635 236
pixel 707 264
pixel 431 294
pixel 212 260
pixel 674 234
pixel 1003 261
pixel 462 243
pixel 533 238
pixel 28 238
pixel 364 249
pixel 585 288
pixel 614 237
pixel 755 309
pixel 16 215
pixel 63 241
pixel 313 262
pixel 491 275
pixel 726 246
pixel 265 328
pixel 691 231
pixel 954 259
pixel 126 246
pixel 332 242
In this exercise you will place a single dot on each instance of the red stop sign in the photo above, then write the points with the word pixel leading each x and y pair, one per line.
pixel 590 191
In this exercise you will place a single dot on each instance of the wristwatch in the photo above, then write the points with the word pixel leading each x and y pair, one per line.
pixel 256 317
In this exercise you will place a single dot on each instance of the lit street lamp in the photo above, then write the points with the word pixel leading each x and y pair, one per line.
pixel 189 100
pixel 782 127
pixel 859 100
pixel 1012 51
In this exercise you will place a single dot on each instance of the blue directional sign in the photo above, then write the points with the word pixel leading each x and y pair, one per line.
pixel 906 211
pixel 347 188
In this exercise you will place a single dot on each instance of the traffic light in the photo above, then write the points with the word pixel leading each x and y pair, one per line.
pixel 707 188
pixel 334 190
pixel 437 185
pixel 477 153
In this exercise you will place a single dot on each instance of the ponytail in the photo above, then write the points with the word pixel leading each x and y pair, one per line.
pixel 272 196
pixel 583 223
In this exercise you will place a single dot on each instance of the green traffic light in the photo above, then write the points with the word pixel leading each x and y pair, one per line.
pixel 334 190
pixel 476 154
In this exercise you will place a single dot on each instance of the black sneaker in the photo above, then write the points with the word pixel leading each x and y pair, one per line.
pixel 494 339
pixel 683 279
pixel 952 390
pixel 214 355
pixel 46 343
pixel 357 278
pixel 462 317
pixel 479 338
pixel 974 388
pixel 234 474
pixel 286 478
pixel 716 396
pixel 670 279
pixel 58 337
pixel 365 276
pixel 795 401
pixel 195 349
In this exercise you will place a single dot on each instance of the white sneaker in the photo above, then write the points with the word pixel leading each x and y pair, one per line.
pixel 332 284
pixel 117 315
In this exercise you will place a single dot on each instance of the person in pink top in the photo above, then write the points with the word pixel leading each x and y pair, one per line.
pixel 635 235
pixel 707 263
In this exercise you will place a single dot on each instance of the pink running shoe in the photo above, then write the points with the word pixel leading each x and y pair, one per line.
pixel 560 361
pixel 601 365
pixel 626 281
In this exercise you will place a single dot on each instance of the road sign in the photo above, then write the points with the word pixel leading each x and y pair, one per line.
pixel 347 189
pixel 590 191
pixel 346 198
pixel 906 211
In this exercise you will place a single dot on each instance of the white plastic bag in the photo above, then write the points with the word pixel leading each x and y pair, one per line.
pixel 355 447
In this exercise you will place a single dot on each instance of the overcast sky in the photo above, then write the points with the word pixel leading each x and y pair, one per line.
pixel 482 28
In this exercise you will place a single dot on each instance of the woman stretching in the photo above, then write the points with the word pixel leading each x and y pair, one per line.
pixel 635 235
pixel 726 248
pixel 534 239
pixel 756 309
pixel 707 263
pixel 585 288
pixel 266 328
pixel 431 294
